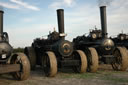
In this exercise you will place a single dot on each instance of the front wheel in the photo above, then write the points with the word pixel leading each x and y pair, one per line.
pixel 20 58
pixel 121 59
pixel 94 61
pixel 80 55
pixel 49 64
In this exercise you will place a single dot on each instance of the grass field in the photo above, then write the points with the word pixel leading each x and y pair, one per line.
pixel 103 76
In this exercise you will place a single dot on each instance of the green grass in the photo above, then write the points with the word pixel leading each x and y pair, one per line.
pixel 112 72
pixel 114 76
pixel 101 75
pixel 115 79
pixel 83 75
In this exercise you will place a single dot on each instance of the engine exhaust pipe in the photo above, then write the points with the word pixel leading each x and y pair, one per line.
pixel 60 17
pixel 103 21
pixel 1 24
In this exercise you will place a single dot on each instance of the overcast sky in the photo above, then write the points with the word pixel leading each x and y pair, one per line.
pixel 25 20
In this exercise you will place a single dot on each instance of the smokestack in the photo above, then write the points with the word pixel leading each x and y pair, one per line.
pixel 103 21
pixel 1 22
pixel 60 17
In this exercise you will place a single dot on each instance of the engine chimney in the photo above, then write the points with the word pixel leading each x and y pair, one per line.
pixel 103 21
pixel 60 17
pixel 1 24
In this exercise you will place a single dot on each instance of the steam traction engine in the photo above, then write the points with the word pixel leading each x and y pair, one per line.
pixel 56 52
pixel 101 49
pixel 17 64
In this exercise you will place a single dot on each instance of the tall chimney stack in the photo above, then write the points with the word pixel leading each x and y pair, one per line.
pixel 103 21
pixel 1 24
pixel 60 17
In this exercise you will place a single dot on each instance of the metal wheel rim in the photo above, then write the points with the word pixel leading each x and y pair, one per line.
pixel 117 63
pixel 49 64
pixel 46 65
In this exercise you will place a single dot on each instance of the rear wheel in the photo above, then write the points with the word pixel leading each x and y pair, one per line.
pixel 80 55
pixel 30 52
pixel 49 64
pixel 121 61
pixel 94 64
pixel 20 58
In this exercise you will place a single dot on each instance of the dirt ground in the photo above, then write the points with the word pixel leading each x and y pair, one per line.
pixel 104 76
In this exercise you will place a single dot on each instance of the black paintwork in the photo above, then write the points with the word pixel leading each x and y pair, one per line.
pixel 5 47
pixel 97 39
pixel 121 40
pixel 56 43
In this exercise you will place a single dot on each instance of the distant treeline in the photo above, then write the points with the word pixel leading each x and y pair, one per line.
pixel 18 50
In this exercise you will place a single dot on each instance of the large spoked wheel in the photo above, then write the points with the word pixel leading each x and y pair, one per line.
pixel 49 64
pixel 30 52
pixel 94 64
pixel 20 58
pixel 80 55
pixel 121 61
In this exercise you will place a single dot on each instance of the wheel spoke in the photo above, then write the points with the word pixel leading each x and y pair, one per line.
pixel 24 72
